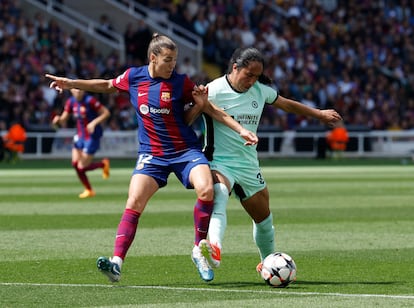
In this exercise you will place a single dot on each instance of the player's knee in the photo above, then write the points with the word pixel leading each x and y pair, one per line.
pixel 135 204
pixel 205 193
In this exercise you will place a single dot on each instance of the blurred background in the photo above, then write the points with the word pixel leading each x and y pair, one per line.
pixel 354 56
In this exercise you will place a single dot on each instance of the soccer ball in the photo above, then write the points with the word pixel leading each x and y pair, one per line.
pixel 279 270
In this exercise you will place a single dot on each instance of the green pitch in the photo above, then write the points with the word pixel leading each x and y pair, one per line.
pixel 350 229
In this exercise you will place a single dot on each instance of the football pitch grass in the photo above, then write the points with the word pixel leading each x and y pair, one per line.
pixel 349 228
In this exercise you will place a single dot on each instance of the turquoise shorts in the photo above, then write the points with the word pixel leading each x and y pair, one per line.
pixel 245 180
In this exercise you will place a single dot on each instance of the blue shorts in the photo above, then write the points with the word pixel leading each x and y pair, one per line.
pixel 159 168
pixel 90 146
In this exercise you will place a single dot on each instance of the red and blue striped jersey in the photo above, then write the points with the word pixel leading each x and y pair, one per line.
pixel 159 105
pixel 84 112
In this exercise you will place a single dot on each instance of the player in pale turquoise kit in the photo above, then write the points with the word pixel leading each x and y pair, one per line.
pixel 243 93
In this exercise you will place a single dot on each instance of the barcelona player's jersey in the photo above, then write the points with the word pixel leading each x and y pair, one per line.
pixel 84 111
pixel 159 106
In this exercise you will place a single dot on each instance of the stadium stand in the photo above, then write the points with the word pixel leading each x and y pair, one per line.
pixel 354 56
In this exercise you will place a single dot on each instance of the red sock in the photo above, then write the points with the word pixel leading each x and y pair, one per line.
pixel 202 215
pixel 82 176
pixel 94 166
pixel 126 232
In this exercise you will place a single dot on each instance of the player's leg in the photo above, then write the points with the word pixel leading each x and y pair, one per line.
pixel 202 181
pixel 76 158
pixel 105 168
pixel 84 160
pixel 200 178
pixel 257 206
pixel 80 160
pixel 218 223
pixel 142 187
pixel 85 163
pixel 103 164
pixel 91 147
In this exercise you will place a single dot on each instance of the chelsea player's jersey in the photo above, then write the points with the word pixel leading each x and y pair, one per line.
pixel 246 108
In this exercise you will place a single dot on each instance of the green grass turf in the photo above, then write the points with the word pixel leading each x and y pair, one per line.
pixel 348 225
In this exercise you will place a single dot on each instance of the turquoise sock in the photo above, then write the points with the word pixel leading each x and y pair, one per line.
pixel 264 236
pixel 218 222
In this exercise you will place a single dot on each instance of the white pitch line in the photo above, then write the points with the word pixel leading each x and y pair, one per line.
pixel 273 291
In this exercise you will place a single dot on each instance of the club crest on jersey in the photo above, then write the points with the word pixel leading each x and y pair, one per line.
pixel 165 96
pixel 82 112
pixel 255 104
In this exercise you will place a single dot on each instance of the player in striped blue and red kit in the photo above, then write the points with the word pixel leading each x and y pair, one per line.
pixel 167 144
pixel 89 114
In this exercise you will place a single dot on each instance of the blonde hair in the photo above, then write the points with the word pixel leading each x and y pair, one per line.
pixel 158 42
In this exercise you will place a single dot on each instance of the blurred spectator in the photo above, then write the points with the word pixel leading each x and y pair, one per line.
pixel 105 26
pixel 136 42
pixel 356 57
pixel 201 23
pixel 187 67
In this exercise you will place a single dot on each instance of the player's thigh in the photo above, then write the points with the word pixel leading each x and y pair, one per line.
pixel 257 206
pixel 219 177
pixel 201 179
pixel 141 188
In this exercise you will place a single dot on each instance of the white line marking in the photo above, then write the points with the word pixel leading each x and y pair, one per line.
pixel 272 291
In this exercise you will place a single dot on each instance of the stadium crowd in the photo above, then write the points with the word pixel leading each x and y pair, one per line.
pixel 354 56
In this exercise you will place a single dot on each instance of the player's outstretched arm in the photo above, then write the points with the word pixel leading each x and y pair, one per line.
pixel 91 85
pixel 327 116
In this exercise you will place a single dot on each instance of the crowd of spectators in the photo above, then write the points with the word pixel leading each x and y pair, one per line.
pixel 354 56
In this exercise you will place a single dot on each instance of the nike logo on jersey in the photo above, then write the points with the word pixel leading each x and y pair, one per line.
pixel 141 94
pixel 196 159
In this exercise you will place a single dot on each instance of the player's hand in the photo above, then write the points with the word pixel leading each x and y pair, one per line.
pixel 250 137
pixel 200 89
pixel 200 96
pixel 90 127
pixel 330 117
pixel 55 122
pixel 59 83
pixel 200 92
